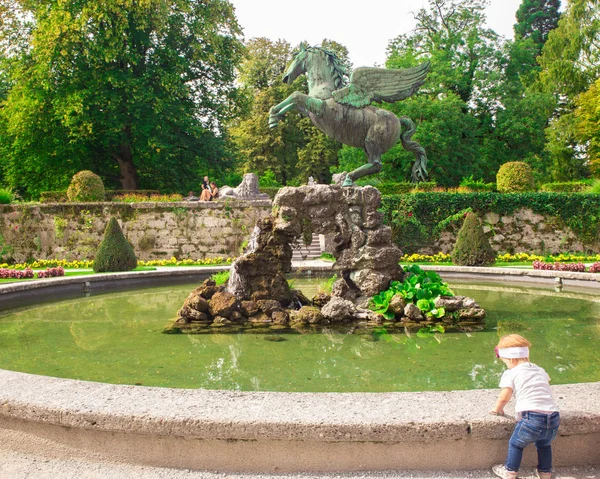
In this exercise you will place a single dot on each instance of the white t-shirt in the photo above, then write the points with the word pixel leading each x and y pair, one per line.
pixel 531 387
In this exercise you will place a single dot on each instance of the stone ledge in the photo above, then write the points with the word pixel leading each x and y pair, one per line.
pixel 207 414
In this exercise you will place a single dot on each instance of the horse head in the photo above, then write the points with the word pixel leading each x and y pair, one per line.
pixel 298 65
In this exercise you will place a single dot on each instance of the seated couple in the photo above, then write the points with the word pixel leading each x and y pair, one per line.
pixel 209 190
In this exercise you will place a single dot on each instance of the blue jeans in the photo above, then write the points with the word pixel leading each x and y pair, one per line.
pixel 533 428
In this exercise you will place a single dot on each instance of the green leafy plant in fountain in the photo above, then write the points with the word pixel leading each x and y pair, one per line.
pixel 86 186
pixel 6 196
pixel 221 277
pixel 515 177
pixel 114 253
pixel 327 285
pixel 472 248
pixel 419 287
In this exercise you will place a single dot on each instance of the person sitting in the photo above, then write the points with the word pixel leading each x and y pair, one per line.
pixel 214 191
pixel 205 194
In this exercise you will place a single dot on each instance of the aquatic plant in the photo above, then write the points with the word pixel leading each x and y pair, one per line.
pixel 419 287
pixel 221 277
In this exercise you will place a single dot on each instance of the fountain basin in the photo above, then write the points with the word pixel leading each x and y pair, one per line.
pixel 267 431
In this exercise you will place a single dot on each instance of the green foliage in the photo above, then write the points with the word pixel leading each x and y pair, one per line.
pixel 85 186
pixel 133 90
pixel 430 330
pixel 514 177
pixel 419 287
pixel 54 197
pixel 470 184
pixel 472 248
pixel 580 213
pixel 271 191
pixel 567 186
pixel 221 277
pixel 327 257
pixel 6 196
pixel 268 180
pixel 535 20
pixel 114 253
pixel 595 188
pixel 327 285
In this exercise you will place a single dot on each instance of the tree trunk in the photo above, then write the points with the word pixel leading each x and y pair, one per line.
pixel 124 157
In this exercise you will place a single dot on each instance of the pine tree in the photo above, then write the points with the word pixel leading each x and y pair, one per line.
pixel 535 20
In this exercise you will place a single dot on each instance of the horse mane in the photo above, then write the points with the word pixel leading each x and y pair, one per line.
pixel 336 69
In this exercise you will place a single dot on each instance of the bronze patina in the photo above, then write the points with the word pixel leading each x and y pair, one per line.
pixel 344 112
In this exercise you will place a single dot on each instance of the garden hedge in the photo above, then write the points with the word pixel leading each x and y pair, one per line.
pixel 419 217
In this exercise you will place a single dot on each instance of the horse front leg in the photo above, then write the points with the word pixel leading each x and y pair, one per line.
pixel 374 166
pixel 276 113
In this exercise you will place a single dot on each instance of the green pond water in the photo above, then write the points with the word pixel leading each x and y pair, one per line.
pixel 116 338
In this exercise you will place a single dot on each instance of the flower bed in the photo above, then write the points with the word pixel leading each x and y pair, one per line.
pixel 28 273
pixel 575 267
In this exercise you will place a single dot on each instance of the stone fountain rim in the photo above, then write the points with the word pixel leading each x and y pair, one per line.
pixel 234 415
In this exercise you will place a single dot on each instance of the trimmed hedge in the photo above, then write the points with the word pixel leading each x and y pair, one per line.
pixel 114 253
pixel 472 247
pixel 515 177
pixel 86 186
pixel 567 186
pixel 61 196
pixel 416 218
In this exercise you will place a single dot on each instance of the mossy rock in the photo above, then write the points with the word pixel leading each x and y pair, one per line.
pixel 472 247
pixel 515 177
pixel 86 186
pixel 114 253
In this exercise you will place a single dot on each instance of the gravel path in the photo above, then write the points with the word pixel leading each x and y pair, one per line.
pixel 25 466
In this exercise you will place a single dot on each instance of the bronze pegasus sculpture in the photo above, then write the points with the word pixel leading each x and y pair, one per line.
pixel 343 112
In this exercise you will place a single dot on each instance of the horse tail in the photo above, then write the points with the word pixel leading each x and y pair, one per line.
pixel 419 169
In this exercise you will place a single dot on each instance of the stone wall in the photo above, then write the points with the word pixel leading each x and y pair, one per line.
pixel 156 230
pixel 522 232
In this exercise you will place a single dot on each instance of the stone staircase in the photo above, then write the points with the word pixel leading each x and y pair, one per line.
pixel 303 252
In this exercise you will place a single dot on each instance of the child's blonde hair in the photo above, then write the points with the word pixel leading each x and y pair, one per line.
pixel 513 341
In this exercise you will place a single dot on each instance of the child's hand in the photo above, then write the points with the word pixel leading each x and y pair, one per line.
pixel 495 412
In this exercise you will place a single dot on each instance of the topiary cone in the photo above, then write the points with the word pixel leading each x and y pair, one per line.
pixel 115 253
pixel 472 247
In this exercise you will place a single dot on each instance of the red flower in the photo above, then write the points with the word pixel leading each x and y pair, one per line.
pixel 409 215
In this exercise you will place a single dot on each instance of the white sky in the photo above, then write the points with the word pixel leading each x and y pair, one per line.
pixel 363 26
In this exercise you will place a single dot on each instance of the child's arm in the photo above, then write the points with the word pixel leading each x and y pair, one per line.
pixel 502 401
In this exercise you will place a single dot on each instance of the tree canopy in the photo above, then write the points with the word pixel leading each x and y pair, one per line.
pixel 136 90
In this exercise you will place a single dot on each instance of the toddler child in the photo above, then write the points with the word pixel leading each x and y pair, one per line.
pixel 537 413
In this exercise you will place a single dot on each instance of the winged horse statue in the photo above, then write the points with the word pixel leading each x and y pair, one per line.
pixel 344 112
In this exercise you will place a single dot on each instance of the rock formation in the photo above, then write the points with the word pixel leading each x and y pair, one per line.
pixel 258 294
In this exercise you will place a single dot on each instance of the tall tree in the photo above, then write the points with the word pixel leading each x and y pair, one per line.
pixel 132 89
pixel 570 62
pixel 536 19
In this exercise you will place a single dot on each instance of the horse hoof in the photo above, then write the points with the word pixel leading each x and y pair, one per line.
pixel 347 181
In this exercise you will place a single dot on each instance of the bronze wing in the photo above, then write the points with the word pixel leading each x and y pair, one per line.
pixel 381 84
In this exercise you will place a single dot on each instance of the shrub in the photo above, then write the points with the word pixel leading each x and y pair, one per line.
pixel 595 188
pixel 6 196
pixel 468 185
pixel 472 247
pixel 514 177
pixel 575 267
pixel 16 274
pixel 221 277
pixel 86 186
pixel 51 272
pixel 53 197
pixel 595 268
pixel 115 253
pixel 566 186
